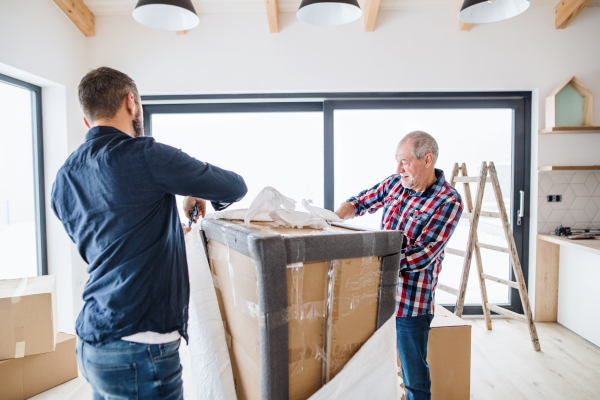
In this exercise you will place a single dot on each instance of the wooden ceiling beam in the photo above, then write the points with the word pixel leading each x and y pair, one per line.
pixel 80 15
pixel 371 11
pixel 566 11
pixel 273 15
pixel 464 26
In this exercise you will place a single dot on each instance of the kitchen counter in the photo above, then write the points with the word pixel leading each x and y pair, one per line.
pixel 590 245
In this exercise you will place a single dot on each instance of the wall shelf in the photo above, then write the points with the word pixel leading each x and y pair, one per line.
pixel 570 129
pixel 570 168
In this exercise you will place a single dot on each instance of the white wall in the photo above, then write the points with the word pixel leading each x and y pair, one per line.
pixel 578 307
pixel 38 44
pixel 409 51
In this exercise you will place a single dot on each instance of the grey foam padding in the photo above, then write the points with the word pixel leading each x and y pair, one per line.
pixel 388 286
pixel 273 252
pixel 269 255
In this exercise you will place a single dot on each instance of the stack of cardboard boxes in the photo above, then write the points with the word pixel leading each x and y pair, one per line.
pixel 34 357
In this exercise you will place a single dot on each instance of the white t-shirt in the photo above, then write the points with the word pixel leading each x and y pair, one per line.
pixel 152 337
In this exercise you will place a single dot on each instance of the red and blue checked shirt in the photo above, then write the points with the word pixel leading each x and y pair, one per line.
pixel 427 219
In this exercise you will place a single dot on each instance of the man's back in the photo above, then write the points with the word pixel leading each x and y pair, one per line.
pixel 115 198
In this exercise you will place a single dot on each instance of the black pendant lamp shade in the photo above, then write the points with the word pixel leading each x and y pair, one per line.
pixel 329 12
pixel 482 11
pixel 167 15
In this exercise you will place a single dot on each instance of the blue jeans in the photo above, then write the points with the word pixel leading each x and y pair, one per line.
pixel 412 334
pixel 126 371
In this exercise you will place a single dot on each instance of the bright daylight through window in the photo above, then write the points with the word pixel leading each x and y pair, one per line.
pixel 283 149
pixel 18 252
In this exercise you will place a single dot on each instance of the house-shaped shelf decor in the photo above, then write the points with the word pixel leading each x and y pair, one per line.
pixel 570 109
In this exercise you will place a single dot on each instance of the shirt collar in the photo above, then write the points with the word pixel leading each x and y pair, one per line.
pixel 434 188
pixel 98 131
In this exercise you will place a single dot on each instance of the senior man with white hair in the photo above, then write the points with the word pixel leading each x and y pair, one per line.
pixel 418 201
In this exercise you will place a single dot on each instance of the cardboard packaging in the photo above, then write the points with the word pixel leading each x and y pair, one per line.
pixel 22 378
pixel 449 356
pixel 27 316
pixel 297 304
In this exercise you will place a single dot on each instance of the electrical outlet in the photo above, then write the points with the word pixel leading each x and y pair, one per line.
pixel 554 198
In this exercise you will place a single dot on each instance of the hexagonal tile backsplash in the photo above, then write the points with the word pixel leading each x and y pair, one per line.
pixel 580 206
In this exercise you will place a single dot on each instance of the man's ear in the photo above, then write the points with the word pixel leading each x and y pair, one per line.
pixel 429 159
pixel 130 103
pixel 87 123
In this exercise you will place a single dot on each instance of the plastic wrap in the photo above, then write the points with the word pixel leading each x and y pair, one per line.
pixel 211 365
pixel 371 373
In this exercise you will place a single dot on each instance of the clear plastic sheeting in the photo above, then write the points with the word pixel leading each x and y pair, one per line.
pixel 211 365
pixel 371 373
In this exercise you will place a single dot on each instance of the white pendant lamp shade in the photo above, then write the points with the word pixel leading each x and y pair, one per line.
pixel 332 12
pixel 167 15
pixel 482 11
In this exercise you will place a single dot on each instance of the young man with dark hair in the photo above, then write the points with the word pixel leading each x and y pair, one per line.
pixel 115 196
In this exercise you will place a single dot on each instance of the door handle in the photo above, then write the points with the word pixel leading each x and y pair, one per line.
pixel 521 212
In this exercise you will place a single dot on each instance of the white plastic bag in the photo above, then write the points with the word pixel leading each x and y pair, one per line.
pixel 297 219
pixel 319 212
pixel 269 199
pixel 211 365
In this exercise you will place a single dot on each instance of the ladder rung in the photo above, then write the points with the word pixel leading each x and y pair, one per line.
pixel 491 214
pixel 500 280
pixel 459 253
pixel 447 289
pixel 506 312
pixel 469 179
pixel 491 247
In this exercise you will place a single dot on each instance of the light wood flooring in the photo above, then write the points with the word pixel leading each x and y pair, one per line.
pixel 503 365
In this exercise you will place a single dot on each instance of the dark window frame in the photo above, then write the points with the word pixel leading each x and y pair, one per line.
pixel 519 102
pixel 38 169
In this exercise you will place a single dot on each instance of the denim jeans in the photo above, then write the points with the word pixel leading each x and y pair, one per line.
pixel 412 334
pixel 126 370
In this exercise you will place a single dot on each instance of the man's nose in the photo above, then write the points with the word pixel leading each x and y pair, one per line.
pixel 399 168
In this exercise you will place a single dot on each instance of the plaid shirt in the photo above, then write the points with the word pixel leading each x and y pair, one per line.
pixel 427 219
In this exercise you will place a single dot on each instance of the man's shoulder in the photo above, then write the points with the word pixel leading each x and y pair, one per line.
pixel 448 193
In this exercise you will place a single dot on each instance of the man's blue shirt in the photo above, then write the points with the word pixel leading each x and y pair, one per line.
pixel 115 196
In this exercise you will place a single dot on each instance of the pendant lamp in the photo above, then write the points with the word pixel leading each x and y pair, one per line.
pixel 167 15
pixel 482 11
pixel 329 12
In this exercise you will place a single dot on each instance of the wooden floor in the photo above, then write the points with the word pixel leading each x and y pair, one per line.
pixel 504 365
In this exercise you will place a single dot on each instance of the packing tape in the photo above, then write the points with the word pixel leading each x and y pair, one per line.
pixel 16 297
pixel 297 249
pixel 20 350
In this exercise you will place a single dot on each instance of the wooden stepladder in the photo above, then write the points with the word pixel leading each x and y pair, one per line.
pixel 488 174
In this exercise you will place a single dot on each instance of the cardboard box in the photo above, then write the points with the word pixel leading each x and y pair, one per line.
pixel 22 378
pixel 299 303
pixel 449 356
pixel 27 316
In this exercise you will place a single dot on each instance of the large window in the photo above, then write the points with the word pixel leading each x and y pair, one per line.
pixel 22 233
pixel 254 145
pixel 335 145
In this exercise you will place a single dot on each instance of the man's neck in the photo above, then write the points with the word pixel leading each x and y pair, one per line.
pixel 122 125
pixel 431 178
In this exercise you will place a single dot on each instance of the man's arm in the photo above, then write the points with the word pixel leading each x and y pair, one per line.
pixel 433 238
pixel 369 200
pixel 175 172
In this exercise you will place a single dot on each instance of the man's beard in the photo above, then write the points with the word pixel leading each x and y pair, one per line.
pixel 138 124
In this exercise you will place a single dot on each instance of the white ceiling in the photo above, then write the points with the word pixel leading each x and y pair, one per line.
pixel 125 7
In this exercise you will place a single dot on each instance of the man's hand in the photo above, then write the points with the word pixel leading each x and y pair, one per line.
pixel 186 229
pixel 346 211
pixel 188 207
